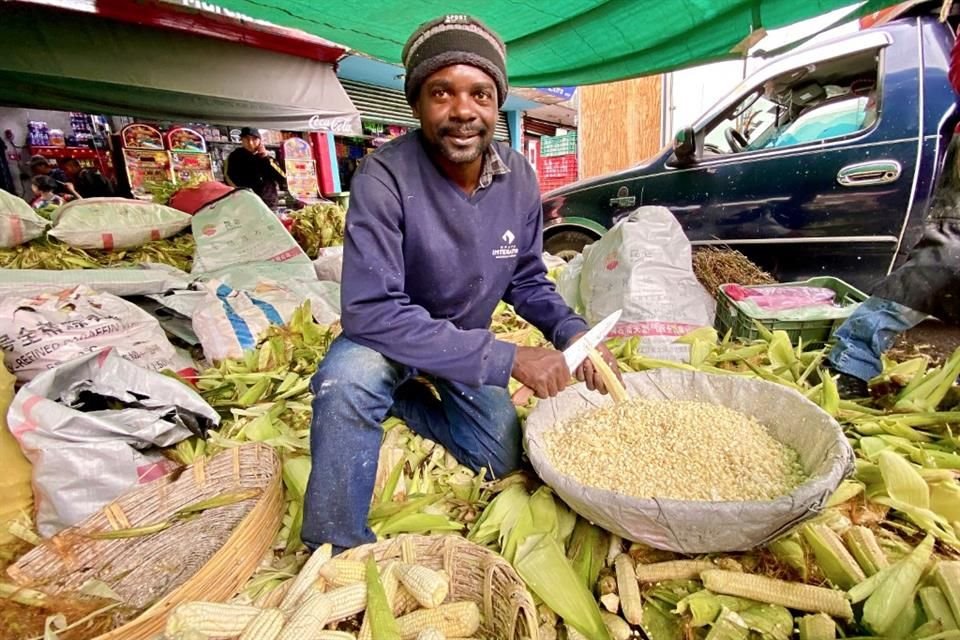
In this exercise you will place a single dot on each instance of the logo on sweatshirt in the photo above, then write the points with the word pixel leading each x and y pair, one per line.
pixel 508 249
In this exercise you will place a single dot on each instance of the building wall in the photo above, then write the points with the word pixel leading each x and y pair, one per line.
pixel 620 124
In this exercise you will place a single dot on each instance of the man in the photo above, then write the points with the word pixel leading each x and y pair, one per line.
pixel 443 224
pixel 928 283
pixel 89 183
pixel 40 166
pixel 251 167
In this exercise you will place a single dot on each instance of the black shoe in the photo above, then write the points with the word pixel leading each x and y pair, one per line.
pixel 849 387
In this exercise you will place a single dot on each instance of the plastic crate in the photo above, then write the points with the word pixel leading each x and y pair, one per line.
pixel 559 167
pixel 551 146
pixel 732 318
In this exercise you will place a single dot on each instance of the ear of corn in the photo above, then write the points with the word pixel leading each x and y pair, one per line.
pixel 628 589
pixel 457 619
pixel 895 592
pixel 673 570
pixel 305 579
pixel 610 380
pixel 936 607
pixel 801 597
pixel 266 626
pixel 817 627
pixel 840 568
pixel 427 586
pixel 864 547
pixel 339 572
pixel 308 619
pixel 211 618
pixel 382 624
pixel 347 601
pixel 431 633
pixel 333 635
pixel 617 626
pixel 610 602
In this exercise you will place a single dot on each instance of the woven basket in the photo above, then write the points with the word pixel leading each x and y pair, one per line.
pixel 207 558
pixel 476 574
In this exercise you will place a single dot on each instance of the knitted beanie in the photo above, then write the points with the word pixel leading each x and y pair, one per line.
pixel 450 40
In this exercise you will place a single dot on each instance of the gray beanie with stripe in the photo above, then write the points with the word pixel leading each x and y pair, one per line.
pixel 450 40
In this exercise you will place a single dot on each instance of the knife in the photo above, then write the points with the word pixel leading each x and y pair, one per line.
pixel 576 353
pixel 579 350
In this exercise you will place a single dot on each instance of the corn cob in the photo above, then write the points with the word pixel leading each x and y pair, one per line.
pixel 865 548
pixel 305 579
pixel 308 619
pixel 427 586
pixel 628 589
pixel 792 595
pixel 457 619
pixel 936 607
pixel 347 601
pixel 210 618
pixel 673 570
pixel 817 627
pixel 266 626
pixel 610 380
pixel 334 635
pixel 339 572
pixel 617 626
pixel 431 633
pixel 834 560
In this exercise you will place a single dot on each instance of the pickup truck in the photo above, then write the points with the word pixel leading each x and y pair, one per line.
pixel 823 162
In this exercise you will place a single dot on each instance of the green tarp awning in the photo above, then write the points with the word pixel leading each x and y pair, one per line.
pixel 558 42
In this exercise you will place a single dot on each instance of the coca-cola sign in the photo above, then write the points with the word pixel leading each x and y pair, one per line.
pixel 336 124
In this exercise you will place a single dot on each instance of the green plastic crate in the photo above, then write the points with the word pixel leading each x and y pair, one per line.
pixel 551 146
pixel 813 332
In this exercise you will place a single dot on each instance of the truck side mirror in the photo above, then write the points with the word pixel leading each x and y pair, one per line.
pixel 685 146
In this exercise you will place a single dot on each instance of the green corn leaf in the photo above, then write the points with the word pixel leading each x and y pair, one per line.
pixel 895 591
pixel 902 480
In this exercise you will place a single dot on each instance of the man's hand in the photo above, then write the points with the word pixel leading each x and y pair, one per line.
pixel 543 370
pixel 261 151
pixel 586 372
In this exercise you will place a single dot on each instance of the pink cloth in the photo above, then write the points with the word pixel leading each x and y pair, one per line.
pixel 780 298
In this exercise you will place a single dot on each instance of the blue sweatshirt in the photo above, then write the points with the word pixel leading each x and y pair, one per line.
pixel 424 265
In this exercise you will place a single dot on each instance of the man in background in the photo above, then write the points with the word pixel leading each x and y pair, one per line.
pixel 251 167
pixel 40 166
pixel 89 183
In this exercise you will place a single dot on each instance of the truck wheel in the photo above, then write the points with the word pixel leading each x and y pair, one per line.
pixel 567 244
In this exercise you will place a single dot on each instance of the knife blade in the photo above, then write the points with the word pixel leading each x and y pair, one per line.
pixel 578 351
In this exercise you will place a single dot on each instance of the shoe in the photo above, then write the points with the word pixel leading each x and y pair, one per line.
pixel 850 387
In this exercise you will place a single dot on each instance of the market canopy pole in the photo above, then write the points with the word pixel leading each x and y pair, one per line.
pixel 563 42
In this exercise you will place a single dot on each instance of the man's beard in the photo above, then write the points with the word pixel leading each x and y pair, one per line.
pixel 462 154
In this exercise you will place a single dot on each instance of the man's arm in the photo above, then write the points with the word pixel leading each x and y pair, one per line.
pixel 377 313
pixel 534 297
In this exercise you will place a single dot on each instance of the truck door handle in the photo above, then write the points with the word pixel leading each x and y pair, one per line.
pixel 865 174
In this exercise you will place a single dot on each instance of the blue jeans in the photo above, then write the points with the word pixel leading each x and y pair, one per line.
pixel 355 389
pixel 867 333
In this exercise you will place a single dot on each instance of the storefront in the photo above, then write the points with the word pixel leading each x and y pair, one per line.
pixel 167 78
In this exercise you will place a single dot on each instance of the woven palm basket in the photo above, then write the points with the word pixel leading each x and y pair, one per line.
pixel 209 557
pixel 476 574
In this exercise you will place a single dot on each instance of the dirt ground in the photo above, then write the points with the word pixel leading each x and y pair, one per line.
pixel 933 339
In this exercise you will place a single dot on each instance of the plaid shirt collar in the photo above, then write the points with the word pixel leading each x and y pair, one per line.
pixel 493 165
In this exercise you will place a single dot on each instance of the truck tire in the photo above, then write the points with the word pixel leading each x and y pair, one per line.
pixel 567 244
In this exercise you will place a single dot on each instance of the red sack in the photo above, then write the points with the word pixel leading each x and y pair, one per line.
pixel 193 199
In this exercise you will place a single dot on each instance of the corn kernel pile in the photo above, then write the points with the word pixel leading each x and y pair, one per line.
pixel 680 450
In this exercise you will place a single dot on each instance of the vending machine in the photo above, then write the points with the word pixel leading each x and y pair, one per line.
pixel 188 155
pixel 301 170
pixel 145 159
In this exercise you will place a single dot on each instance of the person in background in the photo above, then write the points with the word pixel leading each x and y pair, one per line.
pixel 44 190
pixel 927 284
pixel 251 167
pixel 40 166
pixel 444 223
pixel 89 183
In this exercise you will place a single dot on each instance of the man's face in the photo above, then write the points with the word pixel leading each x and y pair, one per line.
pixel 71 168
pixel 40 169
pixel 250 143
pixel 457 108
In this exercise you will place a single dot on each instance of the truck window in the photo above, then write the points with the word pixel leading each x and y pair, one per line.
pixel 831 99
